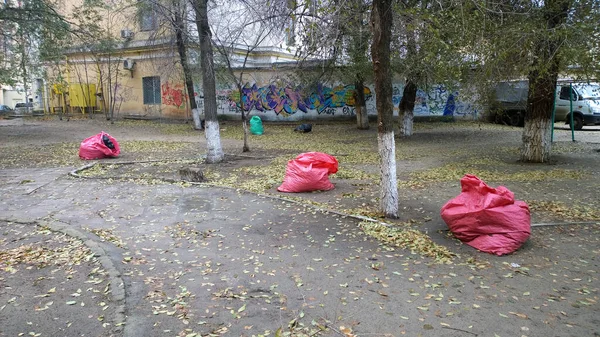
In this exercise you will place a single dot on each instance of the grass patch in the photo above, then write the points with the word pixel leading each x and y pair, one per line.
pixel 562 210
pixel 481 168
pixel 52 155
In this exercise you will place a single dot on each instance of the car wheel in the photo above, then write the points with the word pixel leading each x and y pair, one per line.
pixel 577 122
pixel 515 119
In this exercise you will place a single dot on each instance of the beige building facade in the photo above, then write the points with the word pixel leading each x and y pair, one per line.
pixel 140 75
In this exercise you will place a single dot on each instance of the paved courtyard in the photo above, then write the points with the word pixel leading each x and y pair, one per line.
pixel 111 255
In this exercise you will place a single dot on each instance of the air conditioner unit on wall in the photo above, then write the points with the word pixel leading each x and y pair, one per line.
pixel 128 64
pixel 126 34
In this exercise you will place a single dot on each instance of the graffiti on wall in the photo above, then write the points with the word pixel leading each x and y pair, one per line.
pixel 333 100
pixel 438 101
pixel 289 100
pixel 124 93
pixel 173 94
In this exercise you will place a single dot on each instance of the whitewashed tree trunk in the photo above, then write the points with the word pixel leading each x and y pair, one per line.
pixel 406 108
pixel 406 125
pixel 213 143
pixel 389 181
pixel 536 146
pixel 542 77
pixel 213 138
pixel 362 117
pixel 197 119
pixel 381 24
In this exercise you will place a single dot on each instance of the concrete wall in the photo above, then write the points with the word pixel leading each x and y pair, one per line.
pixel 264 95
pixel 276 102
pixel 10 96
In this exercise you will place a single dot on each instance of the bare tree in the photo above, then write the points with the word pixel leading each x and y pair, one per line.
pixel 337 34
pixel 175 14
pixel 237 36
pixel 30 32
pixel 92 35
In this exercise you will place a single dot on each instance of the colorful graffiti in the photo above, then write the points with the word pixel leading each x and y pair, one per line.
pixel 173 94
pixel 436 101
pixel 288 100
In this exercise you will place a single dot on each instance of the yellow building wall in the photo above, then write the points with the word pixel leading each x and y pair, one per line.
pixel 173 96
pixel 82 95
pixel 84 77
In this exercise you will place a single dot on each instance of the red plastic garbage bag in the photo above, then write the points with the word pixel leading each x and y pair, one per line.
pixel 99 146
pixel 486 218
pixel 309 172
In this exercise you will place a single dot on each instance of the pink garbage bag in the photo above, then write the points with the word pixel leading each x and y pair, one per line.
pixel 486 218
pixel 309 172
pixel 99 146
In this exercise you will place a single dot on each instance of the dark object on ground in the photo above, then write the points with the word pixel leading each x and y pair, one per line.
pixel 107 142
pixel 309 172
pixel 95 147
pixel 304 128
pixel 193 174
pixel 486 218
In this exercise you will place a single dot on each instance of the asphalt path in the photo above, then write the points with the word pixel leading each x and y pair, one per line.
pixel 169 260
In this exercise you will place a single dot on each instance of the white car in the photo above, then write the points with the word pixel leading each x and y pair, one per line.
pixel 585 103
pixel 23 108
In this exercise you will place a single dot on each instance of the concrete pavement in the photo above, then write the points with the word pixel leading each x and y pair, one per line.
pixel 198 261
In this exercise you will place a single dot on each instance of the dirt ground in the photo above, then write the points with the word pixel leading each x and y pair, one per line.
pixel 551 284
pixel 430 164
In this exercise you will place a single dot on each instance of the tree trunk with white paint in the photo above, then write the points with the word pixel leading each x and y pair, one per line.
pixel 406 109
pixel 213 138
pixel 362 115
pixel 381 23
pixel 536 146
pixel 196 118
pixel 536 141
pixel 538 126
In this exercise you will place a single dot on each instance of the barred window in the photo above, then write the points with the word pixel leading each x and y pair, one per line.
pixel 151 88
pixel 147 16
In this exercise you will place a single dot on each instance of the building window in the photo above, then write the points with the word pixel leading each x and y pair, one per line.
pixel 151 88
pixel 147 15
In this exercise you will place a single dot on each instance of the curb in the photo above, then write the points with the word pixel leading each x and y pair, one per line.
pixel 75 173
pixel 117 286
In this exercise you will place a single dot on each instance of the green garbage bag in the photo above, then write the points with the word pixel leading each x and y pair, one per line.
pixel 256 126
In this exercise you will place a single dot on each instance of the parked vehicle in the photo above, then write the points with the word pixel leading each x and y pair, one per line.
pixel 585 103
pixel 511 102
pixel 6 110
pixel 23 108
